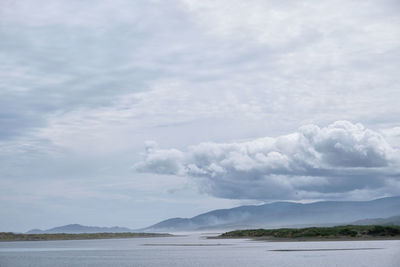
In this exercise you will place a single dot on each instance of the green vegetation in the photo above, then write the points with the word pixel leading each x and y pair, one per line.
pixel 336 232
pixel 39 237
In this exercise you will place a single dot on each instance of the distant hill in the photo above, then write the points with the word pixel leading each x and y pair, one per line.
pixel 79 229
pixel 283 214
pixel 395 220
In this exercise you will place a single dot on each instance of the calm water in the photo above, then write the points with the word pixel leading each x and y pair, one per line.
pixel 195 250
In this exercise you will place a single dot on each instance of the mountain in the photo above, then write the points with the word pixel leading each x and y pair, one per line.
pixel 78 229
pixel 282 214
pixel 395 220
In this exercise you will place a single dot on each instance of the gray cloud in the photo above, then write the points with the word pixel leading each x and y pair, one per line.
pixel 338 159
pixel 243 54
pixel 84 83
pixel 53 62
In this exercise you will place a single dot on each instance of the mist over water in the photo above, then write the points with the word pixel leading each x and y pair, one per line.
pixel 196 250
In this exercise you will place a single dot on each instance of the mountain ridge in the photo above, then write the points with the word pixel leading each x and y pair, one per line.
pixel 80 229
pixel 383 211
pixel 278 214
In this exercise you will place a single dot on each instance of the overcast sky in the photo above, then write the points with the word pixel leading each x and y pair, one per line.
pixel 130 112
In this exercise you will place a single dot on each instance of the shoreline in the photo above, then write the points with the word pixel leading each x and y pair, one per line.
pixel 304 239
pixel 12 237
pixel 335 233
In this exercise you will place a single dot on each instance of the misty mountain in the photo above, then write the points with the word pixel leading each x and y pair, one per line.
pixel 282 214
pixel 395 220
pixel 79 229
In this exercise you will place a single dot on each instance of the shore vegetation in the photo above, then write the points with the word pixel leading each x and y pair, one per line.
pixel 7 236
pixel 336 232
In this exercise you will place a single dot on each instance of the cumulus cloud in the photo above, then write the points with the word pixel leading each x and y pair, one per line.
pixel 338 159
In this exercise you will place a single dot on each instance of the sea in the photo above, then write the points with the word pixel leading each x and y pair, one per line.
pixel 197 250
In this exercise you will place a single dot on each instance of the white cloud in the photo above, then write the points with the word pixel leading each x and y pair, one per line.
pixel 338 159
pixel 84 83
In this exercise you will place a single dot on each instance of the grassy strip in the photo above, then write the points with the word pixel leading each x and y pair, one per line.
pixel 37 237
pixel 347 231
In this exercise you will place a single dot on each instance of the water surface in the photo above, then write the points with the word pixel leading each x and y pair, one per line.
pixel 196 250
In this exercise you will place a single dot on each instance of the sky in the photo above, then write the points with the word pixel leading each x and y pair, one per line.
pixel 127 113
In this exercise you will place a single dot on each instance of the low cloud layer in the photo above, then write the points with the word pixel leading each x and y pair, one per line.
pixel 334 161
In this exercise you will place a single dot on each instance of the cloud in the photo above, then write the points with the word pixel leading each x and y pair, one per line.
pixel 53 62
pixel 84 84
pixel 338 159
pixel 281 62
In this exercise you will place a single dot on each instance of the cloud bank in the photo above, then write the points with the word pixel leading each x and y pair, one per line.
pixel 334 161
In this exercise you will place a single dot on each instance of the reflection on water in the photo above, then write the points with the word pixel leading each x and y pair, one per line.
pixel 196 250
